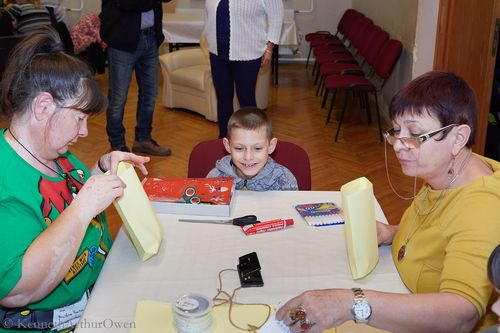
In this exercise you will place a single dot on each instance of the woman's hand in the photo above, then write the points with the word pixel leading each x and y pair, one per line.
pixel 385 233
pixel 323 309
pixel 110 161
pixel 268 54
pixel 97 194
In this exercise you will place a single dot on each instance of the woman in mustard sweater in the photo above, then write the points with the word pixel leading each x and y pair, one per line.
pixel 442 244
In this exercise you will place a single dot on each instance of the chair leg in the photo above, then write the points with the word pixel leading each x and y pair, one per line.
pixel 323 86
pixel 342 115
pixel 367 103
pixel 321 81
pixel 331 107
pixel 316 78
pixel 378 116
pixel 362 103
pixel 325 97
pixel 314 67
pixel 308 56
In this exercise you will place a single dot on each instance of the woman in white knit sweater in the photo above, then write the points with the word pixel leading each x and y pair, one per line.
pixel 241 35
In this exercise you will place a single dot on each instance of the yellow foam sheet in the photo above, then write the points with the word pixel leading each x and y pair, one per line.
pixel 137 214
pixel 155 316
pixel 360 226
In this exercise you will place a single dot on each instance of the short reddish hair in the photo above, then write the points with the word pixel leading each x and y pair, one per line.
pixel 443 95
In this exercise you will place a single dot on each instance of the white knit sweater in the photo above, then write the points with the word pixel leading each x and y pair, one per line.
pixel 248 21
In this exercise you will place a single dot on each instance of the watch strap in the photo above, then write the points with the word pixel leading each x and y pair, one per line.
pixel 359 297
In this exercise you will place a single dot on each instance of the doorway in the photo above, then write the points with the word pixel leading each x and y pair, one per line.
pixel 466 44
pixel 492 145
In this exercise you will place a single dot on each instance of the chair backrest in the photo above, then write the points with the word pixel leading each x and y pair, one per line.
pixel 358 34
pixel 376 42
pixel 348 20
pixel 204 155
pixel 7 43
pixel 353 25
pixel 387 58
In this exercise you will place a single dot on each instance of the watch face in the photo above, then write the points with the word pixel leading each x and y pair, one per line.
pixel 362 310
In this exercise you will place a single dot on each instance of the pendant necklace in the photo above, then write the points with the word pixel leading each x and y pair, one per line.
pixel 403 248
pixel 70 184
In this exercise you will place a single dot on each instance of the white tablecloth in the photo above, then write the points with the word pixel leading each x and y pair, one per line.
pixel 187 26
pixel 192 254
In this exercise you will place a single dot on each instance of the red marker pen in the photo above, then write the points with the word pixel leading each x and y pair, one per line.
pixel 266 226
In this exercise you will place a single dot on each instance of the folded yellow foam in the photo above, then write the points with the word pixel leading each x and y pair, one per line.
pixel 360 226
pixel 137 214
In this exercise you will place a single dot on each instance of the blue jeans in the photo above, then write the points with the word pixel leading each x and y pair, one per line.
pixel 227 75
pixel 121 64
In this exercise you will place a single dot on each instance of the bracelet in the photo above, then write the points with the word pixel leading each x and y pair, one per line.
pixel 100 166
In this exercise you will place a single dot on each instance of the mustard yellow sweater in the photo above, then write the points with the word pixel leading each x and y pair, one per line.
pixel 449 249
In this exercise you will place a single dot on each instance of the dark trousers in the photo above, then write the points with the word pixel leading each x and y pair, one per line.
pixel 227 75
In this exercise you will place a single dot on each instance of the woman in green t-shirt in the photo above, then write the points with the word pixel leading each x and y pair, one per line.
pixel 53 232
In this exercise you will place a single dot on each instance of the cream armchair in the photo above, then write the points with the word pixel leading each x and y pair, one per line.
pixel 187 83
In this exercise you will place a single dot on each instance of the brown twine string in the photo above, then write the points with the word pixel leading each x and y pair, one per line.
pixel 230 299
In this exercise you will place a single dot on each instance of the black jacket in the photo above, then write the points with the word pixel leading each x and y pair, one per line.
pixel 121 22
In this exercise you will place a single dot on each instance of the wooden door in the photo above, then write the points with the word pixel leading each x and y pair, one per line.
pixel 465 45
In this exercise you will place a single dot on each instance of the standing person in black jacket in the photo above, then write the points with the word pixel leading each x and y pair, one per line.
pixel 133 31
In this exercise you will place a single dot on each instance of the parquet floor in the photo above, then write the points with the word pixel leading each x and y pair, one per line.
pixel 296 116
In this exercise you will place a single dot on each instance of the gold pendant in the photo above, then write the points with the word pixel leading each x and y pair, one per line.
pixel 402 252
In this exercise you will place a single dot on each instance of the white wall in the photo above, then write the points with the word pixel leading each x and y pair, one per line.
pixel 399 19
pixel 325 16
pixel 85 5
pixel 425 40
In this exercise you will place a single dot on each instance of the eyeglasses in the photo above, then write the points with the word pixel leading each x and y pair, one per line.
pixel 413 142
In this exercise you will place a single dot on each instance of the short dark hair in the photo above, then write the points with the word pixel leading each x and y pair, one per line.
pixel 443 95
pixel 38 64
pixel 249 118
pixel 494 267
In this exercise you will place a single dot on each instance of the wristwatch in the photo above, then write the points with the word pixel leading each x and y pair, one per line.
pixel 361 309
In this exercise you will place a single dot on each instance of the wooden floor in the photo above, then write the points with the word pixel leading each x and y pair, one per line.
pixel 296 116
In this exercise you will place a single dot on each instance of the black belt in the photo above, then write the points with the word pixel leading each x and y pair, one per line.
pixel 146 31
pixel 22 319
pixel 25 319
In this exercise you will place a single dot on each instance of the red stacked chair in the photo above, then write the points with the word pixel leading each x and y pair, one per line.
pixel 375 39
pixel 320 33
pixel 382 68
pixel 357 36
pixel 324 37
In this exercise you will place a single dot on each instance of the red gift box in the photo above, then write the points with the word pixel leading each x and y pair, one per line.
pixel 204 196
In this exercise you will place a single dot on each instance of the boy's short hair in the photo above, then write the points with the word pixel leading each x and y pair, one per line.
pixel 250 118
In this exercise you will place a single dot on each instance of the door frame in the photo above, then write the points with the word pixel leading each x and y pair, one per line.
pixel 485 66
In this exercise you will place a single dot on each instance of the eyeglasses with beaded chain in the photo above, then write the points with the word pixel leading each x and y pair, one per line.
pixel 410 142
pixel 414 142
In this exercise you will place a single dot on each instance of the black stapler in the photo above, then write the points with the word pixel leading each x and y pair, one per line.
pixel 249 271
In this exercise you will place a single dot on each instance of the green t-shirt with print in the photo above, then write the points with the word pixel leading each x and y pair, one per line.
pixel 29 202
